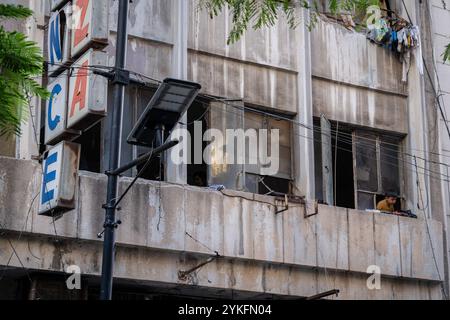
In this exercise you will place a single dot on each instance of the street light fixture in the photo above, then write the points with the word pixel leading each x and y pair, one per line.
pixel 163 112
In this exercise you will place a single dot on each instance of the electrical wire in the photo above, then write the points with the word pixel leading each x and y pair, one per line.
pixel 418 180
pixel 158 81
pixel 243 108
pixel 420 195
pixel 363 144
pixel 29 211
pixel 348 141
pixel 17 256
pixel 297 123
pixel 337 131
pixel 277 116
pixel 431 80
pixel 20 235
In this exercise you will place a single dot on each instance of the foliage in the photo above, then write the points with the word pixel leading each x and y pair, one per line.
pixel 21 62
pixel 265 13
pixel 447 53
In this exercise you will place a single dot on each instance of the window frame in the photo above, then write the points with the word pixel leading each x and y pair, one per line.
pixel 380 191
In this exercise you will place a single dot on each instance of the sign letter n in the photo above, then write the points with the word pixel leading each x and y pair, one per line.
pixel 55 41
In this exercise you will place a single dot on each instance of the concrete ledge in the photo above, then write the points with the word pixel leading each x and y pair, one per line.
pixel 143 266
pixel 176 218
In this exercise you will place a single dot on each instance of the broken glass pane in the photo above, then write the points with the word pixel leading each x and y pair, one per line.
pixel 390 176
pixel 225 169
pixel 318 166
pixel 366 201
pixel 366 162
pixel 327 161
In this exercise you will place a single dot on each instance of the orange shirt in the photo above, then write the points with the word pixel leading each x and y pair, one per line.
pixel 385 206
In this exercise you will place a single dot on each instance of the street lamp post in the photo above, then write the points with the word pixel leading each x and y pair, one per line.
pixel 119 81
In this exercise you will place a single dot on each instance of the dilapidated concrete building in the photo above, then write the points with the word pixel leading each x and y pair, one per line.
pixel 351 130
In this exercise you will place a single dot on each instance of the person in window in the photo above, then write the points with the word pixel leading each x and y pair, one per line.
pixel 388 204
pixel 200 179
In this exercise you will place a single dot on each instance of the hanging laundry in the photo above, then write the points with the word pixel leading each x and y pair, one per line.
pixel 399 36
pixel 379 32
pixel 394 34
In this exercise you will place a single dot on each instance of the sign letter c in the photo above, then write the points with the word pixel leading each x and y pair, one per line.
pixel 53 123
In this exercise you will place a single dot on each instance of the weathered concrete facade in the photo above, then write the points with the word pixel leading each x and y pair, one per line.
pixel 330 71
pixel 439 11
pixel 286 254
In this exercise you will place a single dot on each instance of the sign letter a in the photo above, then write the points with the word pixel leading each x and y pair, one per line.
pixel 79 94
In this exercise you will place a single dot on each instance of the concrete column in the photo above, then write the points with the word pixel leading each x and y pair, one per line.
pixel 303 137
pixel 174 173
pixel 419 140
pixel 439 24
pixel 416 140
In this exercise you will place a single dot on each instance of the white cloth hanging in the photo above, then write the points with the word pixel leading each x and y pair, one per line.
pixel 418 52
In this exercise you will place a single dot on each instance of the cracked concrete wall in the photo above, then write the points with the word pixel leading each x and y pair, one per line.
pixel 264 252
pixel 355 81
pixel 436 18
pixel 220 278
pixel 262 68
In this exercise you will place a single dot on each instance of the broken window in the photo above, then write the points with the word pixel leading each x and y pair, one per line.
pixel 334 170
pixel 257 181
pixel 247 161
pixel 90 141
pixel 225 167
pixel 378 164
pixel 364 166
pixel 197 124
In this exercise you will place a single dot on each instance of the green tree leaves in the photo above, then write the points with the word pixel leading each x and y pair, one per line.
pixel 254 13
pixel 21 62
pixel 265 13
pixel 12 11
pixel 447 53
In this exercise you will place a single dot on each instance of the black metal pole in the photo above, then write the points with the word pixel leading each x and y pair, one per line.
pixel 115 136
pixel 166 146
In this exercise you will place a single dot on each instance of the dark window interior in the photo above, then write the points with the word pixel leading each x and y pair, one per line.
pixel 90 142
pixel 154 170
pixel 389 165
pixel 376 158
pixel 197 173
pixel 344 190
pixel 275 184
pixel 343 171
pixel 265 185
